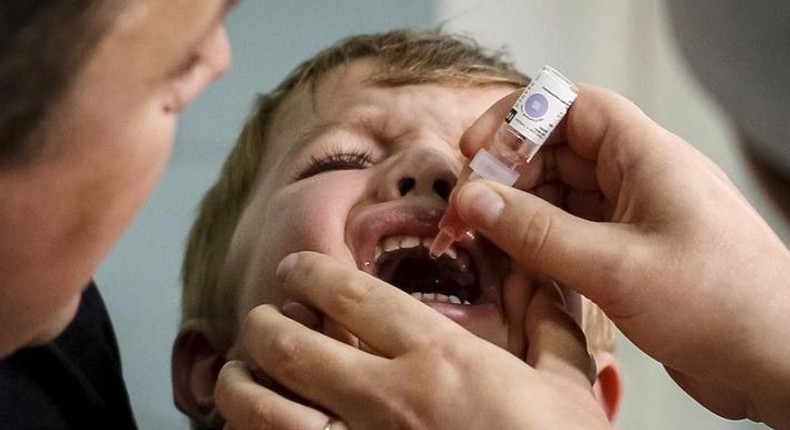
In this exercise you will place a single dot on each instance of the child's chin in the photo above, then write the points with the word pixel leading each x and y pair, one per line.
pixel 482 320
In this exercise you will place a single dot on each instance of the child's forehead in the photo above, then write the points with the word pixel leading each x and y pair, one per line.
pixel 351 91
pixel 313 101
pixel 351 98
pixel 332 87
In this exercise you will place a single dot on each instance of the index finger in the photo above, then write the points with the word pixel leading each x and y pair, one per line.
pixel 360 303
pixel 556 342
pixel 245 404
pixel 602 136
pixel 597 119
pixel 482 131
pixel 577 171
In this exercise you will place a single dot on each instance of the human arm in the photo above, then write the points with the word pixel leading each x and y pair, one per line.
pixel 430 373
pixel 661 240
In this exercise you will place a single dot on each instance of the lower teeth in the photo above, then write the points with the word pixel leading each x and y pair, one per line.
pixel 441 298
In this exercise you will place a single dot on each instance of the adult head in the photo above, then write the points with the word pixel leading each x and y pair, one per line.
pixel 90 97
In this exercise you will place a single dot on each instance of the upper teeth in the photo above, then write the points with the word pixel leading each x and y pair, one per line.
pixel 394 243
pixel 460 261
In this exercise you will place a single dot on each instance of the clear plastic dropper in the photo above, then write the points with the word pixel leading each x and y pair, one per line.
pixel 529 123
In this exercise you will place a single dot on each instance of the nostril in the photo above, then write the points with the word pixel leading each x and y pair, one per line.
pixel 442 188
pixel 405 185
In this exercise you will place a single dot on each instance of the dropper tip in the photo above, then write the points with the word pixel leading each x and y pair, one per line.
pixel 440 244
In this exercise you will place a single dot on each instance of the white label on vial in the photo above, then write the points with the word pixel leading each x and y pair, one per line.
pixel 541 106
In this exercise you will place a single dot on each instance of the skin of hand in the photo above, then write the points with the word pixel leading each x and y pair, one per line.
pixel 429 372
pixel 660 239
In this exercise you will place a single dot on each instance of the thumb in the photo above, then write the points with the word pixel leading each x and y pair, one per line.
pixel 584 255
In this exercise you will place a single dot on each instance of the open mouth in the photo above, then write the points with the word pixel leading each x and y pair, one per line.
pixel 404 262
pixel 391 241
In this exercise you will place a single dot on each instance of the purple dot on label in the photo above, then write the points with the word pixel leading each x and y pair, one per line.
pixel 536 106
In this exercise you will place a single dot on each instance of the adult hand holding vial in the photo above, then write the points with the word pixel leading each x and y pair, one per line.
pixel 529 123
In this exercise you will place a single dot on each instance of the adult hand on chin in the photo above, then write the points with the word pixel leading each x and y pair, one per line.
pixel 429 372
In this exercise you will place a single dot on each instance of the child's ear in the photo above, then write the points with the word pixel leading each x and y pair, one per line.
pixel 608 387
pixel 195 365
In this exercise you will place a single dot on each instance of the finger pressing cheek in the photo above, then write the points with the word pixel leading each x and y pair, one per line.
pixel 247 405
pixel 556 342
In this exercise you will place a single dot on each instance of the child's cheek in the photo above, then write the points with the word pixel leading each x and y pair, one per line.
pixel 314 215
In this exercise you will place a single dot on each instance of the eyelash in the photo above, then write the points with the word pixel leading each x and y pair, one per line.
pixel 336 159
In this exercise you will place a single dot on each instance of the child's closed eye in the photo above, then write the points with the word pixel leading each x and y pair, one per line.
pixel 337 159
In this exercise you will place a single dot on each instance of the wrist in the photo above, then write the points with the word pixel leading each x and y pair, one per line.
pixel 769 389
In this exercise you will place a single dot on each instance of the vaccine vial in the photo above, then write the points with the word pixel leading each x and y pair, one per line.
pixel 536 113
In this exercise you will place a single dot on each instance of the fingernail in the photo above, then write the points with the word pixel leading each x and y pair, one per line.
pixel 481 204
pixel 287 264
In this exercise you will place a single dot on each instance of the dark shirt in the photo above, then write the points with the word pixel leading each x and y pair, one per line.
pixel 73 383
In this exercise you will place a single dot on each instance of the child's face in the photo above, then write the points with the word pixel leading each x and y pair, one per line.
pixel 362 173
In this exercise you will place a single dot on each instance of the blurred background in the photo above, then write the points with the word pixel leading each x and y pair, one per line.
pixel 619 44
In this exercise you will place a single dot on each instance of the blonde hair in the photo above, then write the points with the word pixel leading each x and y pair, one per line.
pixel 402 57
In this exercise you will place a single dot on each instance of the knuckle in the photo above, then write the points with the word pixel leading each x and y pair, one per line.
pixel 352 292
pixel 534 235
pixel 282 349
pixel 450 358
pixel 451 349
pixel 261 416
pixel 269 344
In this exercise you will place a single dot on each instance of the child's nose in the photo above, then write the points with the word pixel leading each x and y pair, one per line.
pixel 420 172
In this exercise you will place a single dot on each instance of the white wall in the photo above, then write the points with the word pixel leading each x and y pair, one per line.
pixel 625 46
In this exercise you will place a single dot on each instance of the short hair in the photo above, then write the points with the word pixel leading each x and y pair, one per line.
pixel 43 45
pixel 402 57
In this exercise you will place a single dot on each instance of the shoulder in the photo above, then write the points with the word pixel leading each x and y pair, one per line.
pixel 74 382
